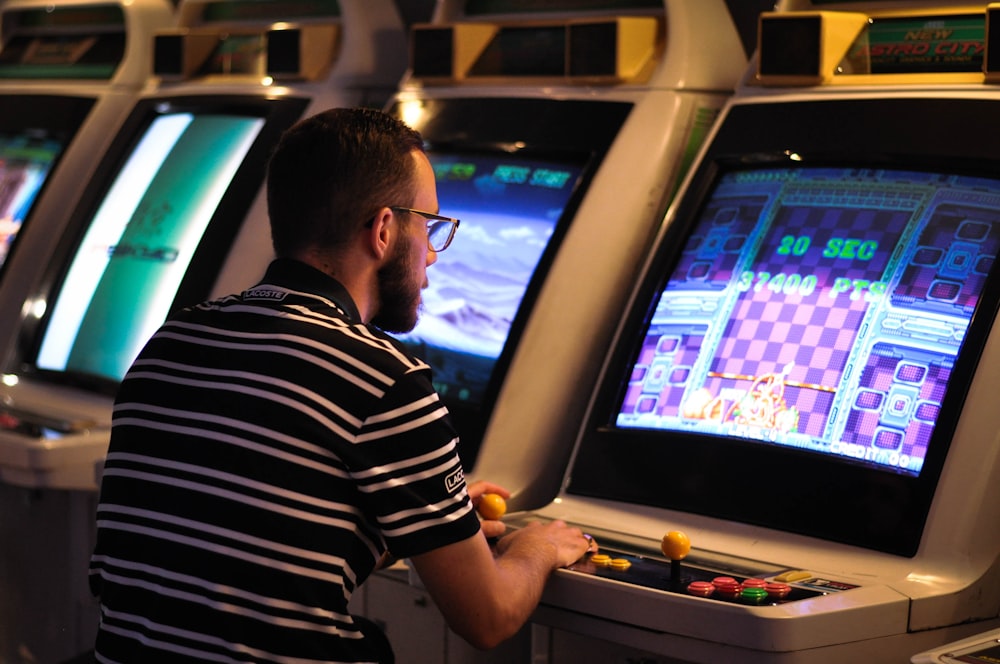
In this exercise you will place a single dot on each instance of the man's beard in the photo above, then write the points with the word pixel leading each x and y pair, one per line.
pixel 399 296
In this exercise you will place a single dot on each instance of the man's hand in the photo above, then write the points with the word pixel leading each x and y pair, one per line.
pixel 491 528
pixel 570 542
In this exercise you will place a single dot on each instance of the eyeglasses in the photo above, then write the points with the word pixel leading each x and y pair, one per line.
pixel 440 230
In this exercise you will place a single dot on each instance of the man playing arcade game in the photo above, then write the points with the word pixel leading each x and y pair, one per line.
pixel 270 448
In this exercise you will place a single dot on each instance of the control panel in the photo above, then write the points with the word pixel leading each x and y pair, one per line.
pixel 702 579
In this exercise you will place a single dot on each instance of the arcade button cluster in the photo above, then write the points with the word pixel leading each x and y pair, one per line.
pixel 605 560
pixel 749 591
pixel 697 581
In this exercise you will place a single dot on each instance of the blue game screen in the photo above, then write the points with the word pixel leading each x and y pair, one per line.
pixel 818 308
pixel 509 206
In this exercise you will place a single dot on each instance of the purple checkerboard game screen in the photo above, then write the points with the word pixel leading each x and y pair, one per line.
pixel 820 308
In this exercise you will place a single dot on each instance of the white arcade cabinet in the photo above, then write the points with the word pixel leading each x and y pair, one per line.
pixel 804 383
pixel 171 212
pixel 559 133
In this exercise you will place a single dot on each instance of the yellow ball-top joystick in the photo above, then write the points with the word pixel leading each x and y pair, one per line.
pixel 491 506
pixel 675 545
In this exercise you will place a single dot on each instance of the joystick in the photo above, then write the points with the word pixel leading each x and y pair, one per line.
pixel 675 545
pixel 491 506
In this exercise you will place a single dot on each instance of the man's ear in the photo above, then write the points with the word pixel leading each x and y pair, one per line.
pixel 380 234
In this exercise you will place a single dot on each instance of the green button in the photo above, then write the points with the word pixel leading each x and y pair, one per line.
pixel 753 595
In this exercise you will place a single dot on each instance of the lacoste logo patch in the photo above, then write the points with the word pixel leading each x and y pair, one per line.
pixel 454 481
pixel 264 294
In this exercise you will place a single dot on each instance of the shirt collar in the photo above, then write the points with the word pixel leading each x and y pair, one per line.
pixel 296 275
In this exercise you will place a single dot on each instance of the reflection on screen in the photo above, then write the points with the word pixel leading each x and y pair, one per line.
pixel 136 250
pixel 509 207
pixel 819 308
pixel 26 159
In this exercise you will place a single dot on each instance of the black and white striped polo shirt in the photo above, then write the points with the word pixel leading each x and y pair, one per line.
pixel 267 448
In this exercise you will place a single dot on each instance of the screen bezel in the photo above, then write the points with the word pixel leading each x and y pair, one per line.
pixel 548 129
pixel 278 114
pixel 58 115
pixel 770 486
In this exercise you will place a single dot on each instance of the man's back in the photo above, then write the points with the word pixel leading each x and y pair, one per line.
pixel 266 448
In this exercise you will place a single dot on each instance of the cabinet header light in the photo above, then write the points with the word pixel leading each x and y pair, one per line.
pixel 76 42
pixel 290 53
pixel 806 48
pixel 275 39
pixel 621 49
pixel 488 7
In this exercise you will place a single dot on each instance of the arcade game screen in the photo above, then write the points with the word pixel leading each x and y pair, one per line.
pixel 141 240
pixel 181 178
pixel 35 131
pixel 799 350
pixel 821 309
pixel 26 160
pixel 509 207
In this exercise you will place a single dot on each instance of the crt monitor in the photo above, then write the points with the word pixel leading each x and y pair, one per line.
pixel 801 347
pixel 514 171
pixel 178 183
pixel 34 133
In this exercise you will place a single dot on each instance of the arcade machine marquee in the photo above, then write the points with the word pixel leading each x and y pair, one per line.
pixel 803 391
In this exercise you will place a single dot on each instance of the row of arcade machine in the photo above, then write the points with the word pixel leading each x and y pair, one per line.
pixel 148 197
pixel 561 167
pixel 559 133
pixel 799 370
pixel 802 392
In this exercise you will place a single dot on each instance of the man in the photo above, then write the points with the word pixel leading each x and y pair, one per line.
pixel 269 448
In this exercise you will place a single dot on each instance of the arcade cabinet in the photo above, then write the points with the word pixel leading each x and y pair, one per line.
pixel 69 75
pixel 979 649
pixel 175 212
pixel 558 133
pixel 172 213
pixel 804 383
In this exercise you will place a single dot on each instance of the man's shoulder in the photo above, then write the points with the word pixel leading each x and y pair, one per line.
pixel 387 348
pixel 315 323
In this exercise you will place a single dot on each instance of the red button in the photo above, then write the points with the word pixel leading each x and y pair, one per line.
pixel 726 585
pixel 701 588
pixel 777 590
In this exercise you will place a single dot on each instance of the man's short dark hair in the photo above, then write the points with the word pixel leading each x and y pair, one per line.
pixel 331 173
